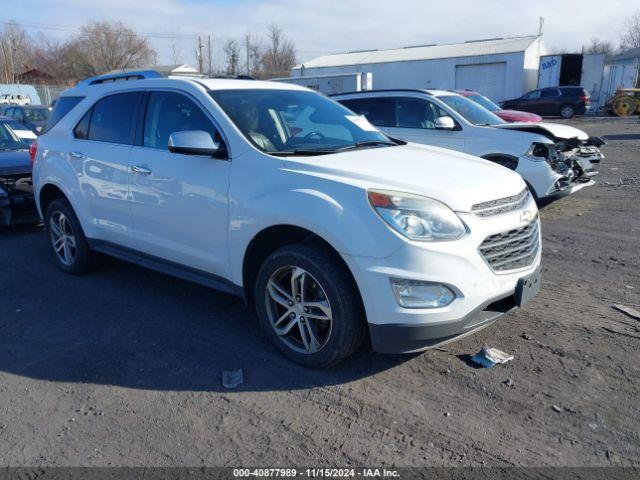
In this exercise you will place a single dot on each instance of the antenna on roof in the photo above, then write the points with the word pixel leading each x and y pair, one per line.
pixel 541 26
pixel 363 51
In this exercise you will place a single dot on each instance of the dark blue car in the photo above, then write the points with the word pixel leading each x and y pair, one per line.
pixel 16 192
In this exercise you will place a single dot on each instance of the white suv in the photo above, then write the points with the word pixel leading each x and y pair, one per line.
pixel 335 233
pixel 553 159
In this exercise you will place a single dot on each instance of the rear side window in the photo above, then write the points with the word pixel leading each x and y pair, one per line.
pixel 113 118
pixel 549 93
pixel 372 108
pixel 63 106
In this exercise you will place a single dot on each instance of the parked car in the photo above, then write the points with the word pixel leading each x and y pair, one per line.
pixel 24 133
pixel 563 101
pixel 553 159
pixel 33 116
pixel 16 193
pixel 327 232
pixel 15 99
pixel 506 115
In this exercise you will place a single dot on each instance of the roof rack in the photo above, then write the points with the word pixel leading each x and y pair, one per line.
pixel 118 77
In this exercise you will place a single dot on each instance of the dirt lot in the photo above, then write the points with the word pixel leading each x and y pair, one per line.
pixel 124 366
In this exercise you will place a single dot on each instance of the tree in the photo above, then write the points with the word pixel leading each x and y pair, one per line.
pixel 231 51
pixel 15 50
pixel 631 34
pixel 279 55
pixel 599 46
pixel 106 46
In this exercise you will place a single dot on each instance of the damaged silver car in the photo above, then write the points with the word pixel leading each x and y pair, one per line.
pixel 553 159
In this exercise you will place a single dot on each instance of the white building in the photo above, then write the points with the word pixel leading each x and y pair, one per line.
pixel 499 68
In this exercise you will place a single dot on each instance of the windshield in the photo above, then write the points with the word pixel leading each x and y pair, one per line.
pixel 291 122
pixel 485 102
pixel 8 139
pixel 36 114
pixel 471 111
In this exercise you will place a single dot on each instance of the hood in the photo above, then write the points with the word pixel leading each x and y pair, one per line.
pixel 554 131
pixel 14 162
pixel 456 179
pixel 518 116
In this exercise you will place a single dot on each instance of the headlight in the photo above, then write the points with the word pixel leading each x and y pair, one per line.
pixel 539 151
pixel 415 217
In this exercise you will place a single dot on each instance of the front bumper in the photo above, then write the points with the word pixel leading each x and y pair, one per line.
pixel 17 205
pixel 482 294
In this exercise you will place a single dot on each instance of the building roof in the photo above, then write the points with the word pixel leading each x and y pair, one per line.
pixel 427 52
pixel 626 55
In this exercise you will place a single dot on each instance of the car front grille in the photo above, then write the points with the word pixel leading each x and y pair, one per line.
pixel 513 249
pixel 501 205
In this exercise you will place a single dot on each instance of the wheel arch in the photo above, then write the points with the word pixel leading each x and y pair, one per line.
pixel 270 239
pixel 504 159
pixel 48 193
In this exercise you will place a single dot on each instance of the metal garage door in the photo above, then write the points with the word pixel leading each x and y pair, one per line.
pixel 486 78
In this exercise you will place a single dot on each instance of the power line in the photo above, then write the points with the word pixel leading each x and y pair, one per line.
pixel 66 28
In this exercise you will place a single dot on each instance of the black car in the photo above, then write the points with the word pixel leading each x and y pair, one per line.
pixel 563 101
pixel 33 116
pixel 16 191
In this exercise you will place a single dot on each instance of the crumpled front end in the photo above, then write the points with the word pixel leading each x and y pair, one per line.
pixel 576 162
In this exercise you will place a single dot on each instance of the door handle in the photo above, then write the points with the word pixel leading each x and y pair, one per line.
pixel 76 154
pixel 139 169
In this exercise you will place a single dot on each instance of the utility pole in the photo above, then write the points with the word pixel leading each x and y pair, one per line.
pixel 248 47
pixel 210 57
pixel 199 55
pixel 541 26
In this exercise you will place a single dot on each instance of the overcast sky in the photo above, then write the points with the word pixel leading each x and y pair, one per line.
pixel 320 27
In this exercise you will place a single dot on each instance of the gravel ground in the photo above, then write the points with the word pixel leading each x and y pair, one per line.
pixel 124 366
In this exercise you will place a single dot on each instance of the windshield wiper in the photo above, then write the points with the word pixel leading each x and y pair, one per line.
pixel 367 143
pixel 301 152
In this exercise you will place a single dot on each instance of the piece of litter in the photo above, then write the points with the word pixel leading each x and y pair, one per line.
pixel 232 379
pixel 629 287
pixel 447 414
pixel 488 357
pixel 508 382
pixel 632 312
pixel 556 408
pixel 526 336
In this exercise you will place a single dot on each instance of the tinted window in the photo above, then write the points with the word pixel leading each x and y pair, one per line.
pixel 63 106
pixel 170 112
pixel 36 114
pixel 18 114
pixel 82 128
pixel 549 93
pixel 417 113
pixel 532 95
pixel 114 118
pixel 573 92
pixel 372 108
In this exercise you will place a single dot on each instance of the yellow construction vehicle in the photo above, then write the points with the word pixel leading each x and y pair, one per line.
pixel 625 102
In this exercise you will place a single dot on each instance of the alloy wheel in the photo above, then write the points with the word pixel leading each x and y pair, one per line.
pixel 299 310
pixel 63 238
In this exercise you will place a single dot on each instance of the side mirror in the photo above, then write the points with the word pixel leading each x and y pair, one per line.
pixel 445 123
pixel 193 142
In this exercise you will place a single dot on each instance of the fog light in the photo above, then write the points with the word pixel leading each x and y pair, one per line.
pixel 418 294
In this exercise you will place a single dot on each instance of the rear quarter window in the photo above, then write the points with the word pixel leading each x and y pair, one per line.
pixel 63 106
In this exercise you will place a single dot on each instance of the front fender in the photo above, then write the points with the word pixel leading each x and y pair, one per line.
pixel 343 218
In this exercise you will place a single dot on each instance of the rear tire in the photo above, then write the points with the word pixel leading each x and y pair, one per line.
pixel 67 241
pixel 306 279
pixel 567 111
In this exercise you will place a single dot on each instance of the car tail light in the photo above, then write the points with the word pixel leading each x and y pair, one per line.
pixel 33 148
pixel 585 98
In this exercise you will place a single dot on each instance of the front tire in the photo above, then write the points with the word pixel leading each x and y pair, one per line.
pixel 67 242
pixel 309 305
pixel 567 111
